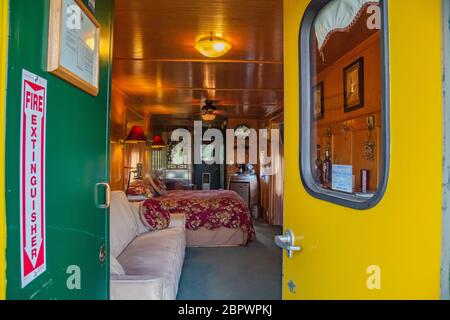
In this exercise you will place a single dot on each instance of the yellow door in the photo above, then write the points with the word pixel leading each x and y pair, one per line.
pixel 397 243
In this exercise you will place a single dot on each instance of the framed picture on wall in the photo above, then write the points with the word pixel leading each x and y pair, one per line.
pixel 73 44
pixel 318 101
pixel 354 85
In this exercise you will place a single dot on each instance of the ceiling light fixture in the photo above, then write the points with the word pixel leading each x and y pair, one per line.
pixel 208 117
pixel 212 47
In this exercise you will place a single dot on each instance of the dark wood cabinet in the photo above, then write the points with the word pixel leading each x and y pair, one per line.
pixel 247 187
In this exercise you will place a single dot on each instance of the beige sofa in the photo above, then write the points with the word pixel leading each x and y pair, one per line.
pixel 145 265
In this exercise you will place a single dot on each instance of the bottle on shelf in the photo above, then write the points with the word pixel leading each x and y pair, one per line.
pixel 327 171
pixel 319 167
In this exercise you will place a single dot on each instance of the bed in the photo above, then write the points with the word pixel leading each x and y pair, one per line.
pixel 213 218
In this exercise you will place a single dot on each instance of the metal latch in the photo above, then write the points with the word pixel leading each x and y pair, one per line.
pixel 287 242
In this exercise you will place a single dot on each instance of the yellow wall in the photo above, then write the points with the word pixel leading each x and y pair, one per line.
pixel 402 234
pixel 3 53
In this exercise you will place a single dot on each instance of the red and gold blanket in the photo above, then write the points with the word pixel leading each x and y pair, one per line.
pixel 210 209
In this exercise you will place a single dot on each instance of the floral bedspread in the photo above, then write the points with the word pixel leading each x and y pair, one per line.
pixel 210 209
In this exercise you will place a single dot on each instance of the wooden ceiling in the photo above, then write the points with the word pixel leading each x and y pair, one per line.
pixel 161 73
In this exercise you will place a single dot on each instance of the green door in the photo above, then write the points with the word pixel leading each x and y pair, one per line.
pixel 76 159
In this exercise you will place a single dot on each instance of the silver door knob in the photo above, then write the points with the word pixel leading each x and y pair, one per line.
pixel 287 242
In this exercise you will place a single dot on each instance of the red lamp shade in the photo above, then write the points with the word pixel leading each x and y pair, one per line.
pixel 136 134
pixel 158 142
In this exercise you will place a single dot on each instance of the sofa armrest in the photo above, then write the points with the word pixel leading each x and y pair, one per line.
pixel 136 288
pixel 178 220
pixel 136 209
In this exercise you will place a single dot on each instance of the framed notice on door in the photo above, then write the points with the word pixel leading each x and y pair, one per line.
pixel 73 44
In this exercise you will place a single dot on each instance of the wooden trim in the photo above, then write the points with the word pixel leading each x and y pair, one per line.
pixel 65 74
pixel 279 62
pixel 273 115
pixel 54 35
pixel 54 48
pixel 139 89
pixel 3 67
pixel 88 13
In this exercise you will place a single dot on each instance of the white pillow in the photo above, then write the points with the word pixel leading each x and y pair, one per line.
pixel 115 268
pixel 132 198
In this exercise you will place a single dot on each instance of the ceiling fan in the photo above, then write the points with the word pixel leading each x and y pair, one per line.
pixel 209 110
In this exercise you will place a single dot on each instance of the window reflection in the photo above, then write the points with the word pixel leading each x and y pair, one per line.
pixel 346 94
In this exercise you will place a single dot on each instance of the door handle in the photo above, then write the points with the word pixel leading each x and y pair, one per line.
pixel 107 202
pixel 287 242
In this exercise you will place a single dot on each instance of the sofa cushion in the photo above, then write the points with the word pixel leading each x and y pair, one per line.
pixel 136 288
pixel 157 254
pixel 178 220
pixel 122 224
pixel 115 268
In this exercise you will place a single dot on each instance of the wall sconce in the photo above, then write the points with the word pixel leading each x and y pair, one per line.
pixel 369 146
pixel 136 135
pixel 370 122
pixel 158 142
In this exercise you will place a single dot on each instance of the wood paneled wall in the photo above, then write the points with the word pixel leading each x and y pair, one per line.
pixel 349 130
pixel 122 156
pixel 118 131
pixel 139 152
pixel 272 186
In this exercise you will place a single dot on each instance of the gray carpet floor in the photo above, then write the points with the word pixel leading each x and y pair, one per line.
pixel 234 273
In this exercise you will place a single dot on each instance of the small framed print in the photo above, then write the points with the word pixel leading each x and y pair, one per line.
pixel 73 44
pixel 354 85
pixel 318 96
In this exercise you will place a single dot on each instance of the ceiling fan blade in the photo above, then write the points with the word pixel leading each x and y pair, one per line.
pixel 220 112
